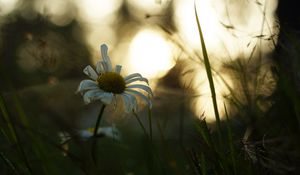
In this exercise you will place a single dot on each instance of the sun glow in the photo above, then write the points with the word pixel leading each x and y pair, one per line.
pixel 6 6
pixel 139 9
pixel 227 29
pixel 204 102
pixel 94 10
pixel 57 11
pixel 150 54
pixel 230 30
pixel 186 22
pixel 97 18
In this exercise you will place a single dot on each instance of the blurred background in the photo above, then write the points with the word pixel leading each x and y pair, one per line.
pixel 45 44
pixel 48 42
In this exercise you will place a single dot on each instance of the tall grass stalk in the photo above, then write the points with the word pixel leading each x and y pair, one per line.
pixel 155 154
pixel 9 164
pixel 14 133
pixel 222 164
pixel 10 135
pixel 150 122
pixel 209 74
pixel 230 142
pixel 37 146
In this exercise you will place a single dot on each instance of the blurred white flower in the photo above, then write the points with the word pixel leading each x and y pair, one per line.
pixel 109 131
pixel 106 83
pixel 64 139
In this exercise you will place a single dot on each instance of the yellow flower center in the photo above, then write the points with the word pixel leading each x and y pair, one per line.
pixel 91 130
pixel 111 82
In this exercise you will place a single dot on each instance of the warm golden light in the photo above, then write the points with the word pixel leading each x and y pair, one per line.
pixel 55 10
pixel 186 22
pixel 140 8
pixel 95 10
pixel 6 6
pixel 150 54
pixel 97 18
pixel 229 33
pixel 204 102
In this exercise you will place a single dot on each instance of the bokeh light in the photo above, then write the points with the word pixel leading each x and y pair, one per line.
pixel 6 6
pixel 225 33
pixel 139 9
pixel 97 10
pixel 97 18
pixel 231 29
pixel 150 54
pixel 59 12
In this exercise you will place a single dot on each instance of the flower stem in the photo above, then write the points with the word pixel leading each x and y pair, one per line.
pixel 94 144
pixel 141 124
pixel 150 122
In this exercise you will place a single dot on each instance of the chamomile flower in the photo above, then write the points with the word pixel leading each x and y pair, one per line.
pixel 106 83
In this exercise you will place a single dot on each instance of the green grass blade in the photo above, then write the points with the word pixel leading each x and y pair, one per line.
pixel 202 128
pixel 14 133
pixel 208 70
pixel 230 142
pixel 38 147
pixel 11 136
pixel 203 165
pixel 9 164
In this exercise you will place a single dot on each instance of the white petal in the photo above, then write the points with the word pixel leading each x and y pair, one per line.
pixel 118 69
pixel 126 102
pixel 110 131
pixel 99 67
pixel 132 106
pixel 89 71
pixel 106 98
pixel 104 65
pixel 144 98
pixel 85 134
pixel 137 79
pixel 105 57
pixel 114 101
pixel 87 85
pixel 133 76
pixel 133 103
pixel 92 95
pixel 109 66
pixel 64 137
pixel 140 86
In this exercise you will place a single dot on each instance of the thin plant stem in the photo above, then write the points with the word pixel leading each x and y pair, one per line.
pixel 181 119
pixel 230 142
pixel 94 144
pixel 150 122
pixel 141 124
